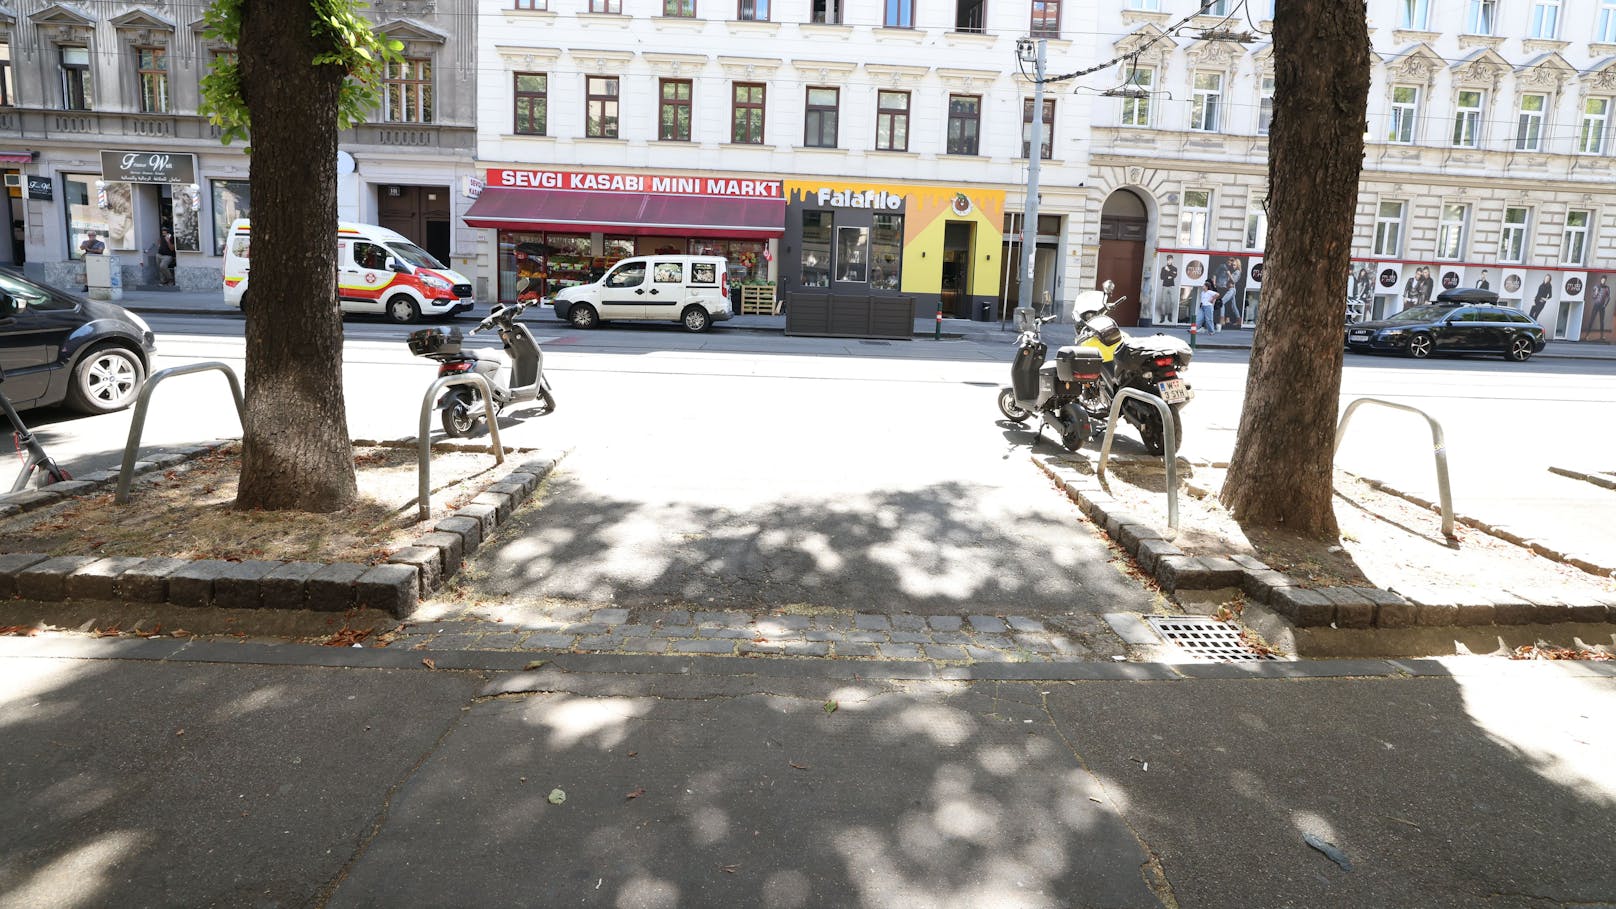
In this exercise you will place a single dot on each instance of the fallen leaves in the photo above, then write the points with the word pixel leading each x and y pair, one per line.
pixel 1550 652
pixel 730 869
pixel 830 706
pixel 634 795
pixel 429 663
pixel 533 664
pixel 21 631
pixel 347 637
pixel 556 797
pixel 798 766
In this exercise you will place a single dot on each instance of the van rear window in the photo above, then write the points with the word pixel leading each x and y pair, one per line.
pixel 241 246
pixel 703 273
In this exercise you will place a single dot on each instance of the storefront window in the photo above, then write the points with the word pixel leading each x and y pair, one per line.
pixel 746 262
pixel 547 262
pixel 816 248
pixel 886 252
pixel 98 205
pixel 184 204
pixel 853 254
pixel 618 248
pixel 230 201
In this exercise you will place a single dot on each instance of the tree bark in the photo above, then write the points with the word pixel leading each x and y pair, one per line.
pixel 1281 474
pixel 296 454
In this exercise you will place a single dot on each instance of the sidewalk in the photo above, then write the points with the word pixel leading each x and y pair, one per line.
pixel 159 771
pixel 188 303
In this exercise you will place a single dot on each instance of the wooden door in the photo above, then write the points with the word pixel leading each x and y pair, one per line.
pixel 1122 261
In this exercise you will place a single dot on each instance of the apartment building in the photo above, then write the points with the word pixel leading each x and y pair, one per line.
pixel 1489 158
pixel 99 131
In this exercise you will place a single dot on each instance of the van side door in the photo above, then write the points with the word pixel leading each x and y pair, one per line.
pixel 622 291
pixel 362 277
pixel 666 298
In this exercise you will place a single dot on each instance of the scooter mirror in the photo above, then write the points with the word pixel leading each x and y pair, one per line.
pixel 1026 319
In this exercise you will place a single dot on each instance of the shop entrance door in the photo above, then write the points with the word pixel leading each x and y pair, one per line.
pixel 1123 224
pixel 420 213
pixel 956 291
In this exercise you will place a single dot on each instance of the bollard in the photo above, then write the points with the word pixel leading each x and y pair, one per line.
pixel 937 333
pixel 1193 335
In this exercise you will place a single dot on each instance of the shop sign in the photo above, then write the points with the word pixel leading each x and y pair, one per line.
pixel 39 188
pixel 869 198
pixel 634 183
pixel 147 167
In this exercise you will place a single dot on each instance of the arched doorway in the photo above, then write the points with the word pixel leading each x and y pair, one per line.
pixel 1123 224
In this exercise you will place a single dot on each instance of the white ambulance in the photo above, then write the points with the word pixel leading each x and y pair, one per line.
pixel 379 271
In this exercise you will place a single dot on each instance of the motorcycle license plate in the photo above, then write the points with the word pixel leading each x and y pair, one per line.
pixel 1173 391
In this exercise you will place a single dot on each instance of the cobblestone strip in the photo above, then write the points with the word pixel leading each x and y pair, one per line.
pixel 948 639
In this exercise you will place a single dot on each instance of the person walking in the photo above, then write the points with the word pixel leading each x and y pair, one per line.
pixel 1209 300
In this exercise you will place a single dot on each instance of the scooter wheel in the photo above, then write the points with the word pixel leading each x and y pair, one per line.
pixel 457 418
pixel 1012 411
pixel 548 399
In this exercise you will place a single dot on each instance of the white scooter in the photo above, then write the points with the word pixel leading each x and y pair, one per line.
pixel 516 377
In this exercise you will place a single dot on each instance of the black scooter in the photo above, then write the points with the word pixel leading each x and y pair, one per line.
pixel 516 377
pixel 37 459
pixel 1052 391
pixel 1151 364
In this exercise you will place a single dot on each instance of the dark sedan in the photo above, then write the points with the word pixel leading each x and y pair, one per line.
pixel 57 347
pixel 1421 331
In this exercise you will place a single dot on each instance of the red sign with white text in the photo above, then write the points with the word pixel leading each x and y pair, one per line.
pixel 666 184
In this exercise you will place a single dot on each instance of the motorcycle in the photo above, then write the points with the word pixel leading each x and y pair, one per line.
pixel 1052 391
pixel 1151 365
pixel 516 377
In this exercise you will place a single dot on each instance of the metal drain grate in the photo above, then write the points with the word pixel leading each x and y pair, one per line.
pixel 1206 638
pixel 877 343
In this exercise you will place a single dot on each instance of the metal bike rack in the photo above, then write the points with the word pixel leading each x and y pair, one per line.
pixel 137 425
pixel 423 464
pixel 1169 439
pixel 1436 440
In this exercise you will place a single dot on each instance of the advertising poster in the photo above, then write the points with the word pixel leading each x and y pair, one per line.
pixel 1483 279
pixel 1360 291
pixel 1419 284
pixel 1510 286
pixel 1568 308
pixel 1191 280
pixel 1451 277
pixel 1598 321
pixel 1544 290
pixel 1229 280
pixel 1254 279
pixel 1165 308
pixel 1388 288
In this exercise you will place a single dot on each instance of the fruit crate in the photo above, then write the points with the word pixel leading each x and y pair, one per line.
pixel 757 299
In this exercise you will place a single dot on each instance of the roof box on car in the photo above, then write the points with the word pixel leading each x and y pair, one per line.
pixel 1461 296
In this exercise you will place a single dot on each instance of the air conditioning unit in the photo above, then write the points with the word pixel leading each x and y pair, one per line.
pixel 14 179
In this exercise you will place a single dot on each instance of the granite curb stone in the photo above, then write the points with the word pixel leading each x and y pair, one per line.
pixel 47 580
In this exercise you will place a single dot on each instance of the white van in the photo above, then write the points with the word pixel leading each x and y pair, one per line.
pixel 378 271
pixel 693 290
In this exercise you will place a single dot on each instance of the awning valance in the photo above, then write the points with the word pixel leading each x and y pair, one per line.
pixel 16 157
pixel 634 214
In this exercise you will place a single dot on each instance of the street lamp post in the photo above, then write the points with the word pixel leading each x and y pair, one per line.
pixel 1031 50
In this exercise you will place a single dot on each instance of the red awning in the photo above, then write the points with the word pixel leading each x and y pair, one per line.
pixel 635 214
pixel 16 157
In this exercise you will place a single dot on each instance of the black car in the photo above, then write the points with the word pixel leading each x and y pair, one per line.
pixel 1458 323
pixel 58 347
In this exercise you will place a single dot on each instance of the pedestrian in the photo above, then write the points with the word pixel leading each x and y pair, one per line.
pixel 92 245
pixel 165 258
pixel 1209 299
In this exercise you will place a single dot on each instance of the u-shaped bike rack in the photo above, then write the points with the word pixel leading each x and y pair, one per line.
pixel 1436 441
pixel 1169 440
pixel 423 463
pixel 137 425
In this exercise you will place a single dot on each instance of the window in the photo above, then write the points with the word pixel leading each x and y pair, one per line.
pixel 964 119
pixel 1574 243
pixel 533 4
pixel 1136 111
pixel 532 90
pixel 231 200
pixel 900 14
pixel 77 90
pixel 853 254
pixel 1046 139
pixel 1217 8
pixel 1450 231
pixel 1591 136
pixel 748 121
pixel 606 6
pixel 819 127
pixel 600 107
pixel 1265 105
pixel 1413 14
pixel 681 9
pixel 674 122
pixel 1467 120
pixel 8 91
pixel 151 70
pixel 892 121
pixel 1605 33
pixel 1205 99
pixel 1149 6
pixel 968 15
pixel 1389 229
pixel 1512 242
pixel 408 91
pixel 1482 17
pixel 1257 222
pixel 828 12
pixel 886 252
pixel 816 230
pixel 753 11
pixel 1045 19
pixel 1194 217
pixel 1405 113
pixel 1529 128
pixel 1546 19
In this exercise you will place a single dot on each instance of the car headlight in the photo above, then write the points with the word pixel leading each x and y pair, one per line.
pixel 436 282
pixel 1390 333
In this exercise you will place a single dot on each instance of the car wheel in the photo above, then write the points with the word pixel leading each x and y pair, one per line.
pixel 583 315
pixel 1420 346
pixel 1519 350
pixel 402 309
pixel 696 319
pixel 106 379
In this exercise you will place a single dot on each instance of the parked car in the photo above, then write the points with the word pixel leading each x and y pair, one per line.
pixel 58 347
pixel 1461 321
pixel 693 290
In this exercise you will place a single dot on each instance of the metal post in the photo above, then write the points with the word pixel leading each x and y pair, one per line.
pixel 1169 439
pixel 1029 223
pixel 1437 441
pixel 137 424
pixel 423 462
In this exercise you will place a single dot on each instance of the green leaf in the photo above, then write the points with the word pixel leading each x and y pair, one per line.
pixel 830 706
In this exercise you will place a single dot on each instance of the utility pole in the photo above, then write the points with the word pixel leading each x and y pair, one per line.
pixel 1031 50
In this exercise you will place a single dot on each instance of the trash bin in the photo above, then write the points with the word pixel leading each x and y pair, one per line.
pixel 984 311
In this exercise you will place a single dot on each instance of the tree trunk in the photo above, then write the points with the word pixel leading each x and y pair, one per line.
pixel 1281 472
pixel 295 451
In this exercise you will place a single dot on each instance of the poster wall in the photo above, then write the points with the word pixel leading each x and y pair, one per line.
pixel 1598 321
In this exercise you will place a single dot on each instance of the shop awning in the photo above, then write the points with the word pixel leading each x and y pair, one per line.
pixel 16 157
pixel 635 214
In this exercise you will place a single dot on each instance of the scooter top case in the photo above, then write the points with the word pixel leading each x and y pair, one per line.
pixel 1078 364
